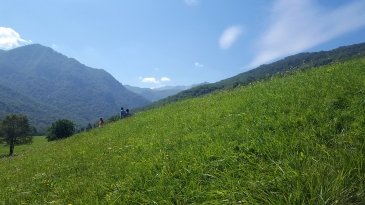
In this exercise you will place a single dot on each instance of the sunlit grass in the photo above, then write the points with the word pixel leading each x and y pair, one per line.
pixel 297 139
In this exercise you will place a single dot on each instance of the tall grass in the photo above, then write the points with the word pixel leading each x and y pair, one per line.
pixel 294 139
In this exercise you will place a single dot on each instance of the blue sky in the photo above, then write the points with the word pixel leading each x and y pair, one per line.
pixel 152 43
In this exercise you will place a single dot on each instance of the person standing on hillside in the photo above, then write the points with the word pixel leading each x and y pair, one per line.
pixel 127 114
pixel 122 112
pixel 101 122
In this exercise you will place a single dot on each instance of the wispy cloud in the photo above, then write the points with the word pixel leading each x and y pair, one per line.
pixel 191 2
pixel 9 39
pixel 229 36
pixel 298 25
pixel 198 65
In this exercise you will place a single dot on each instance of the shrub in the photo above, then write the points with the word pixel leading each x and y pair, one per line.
pixel 61 129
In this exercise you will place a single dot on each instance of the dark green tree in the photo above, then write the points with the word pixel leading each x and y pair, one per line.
pixel 61 129
pixel 14 129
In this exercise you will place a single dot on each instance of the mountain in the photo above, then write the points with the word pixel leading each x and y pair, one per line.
pixel 291 139
pixel 178 87
pixel 294 62
pixel 77 92
pixel 13 102
pixel 157 93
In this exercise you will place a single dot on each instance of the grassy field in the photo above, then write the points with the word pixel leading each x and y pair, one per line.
pixel 22 149
pixel 294 139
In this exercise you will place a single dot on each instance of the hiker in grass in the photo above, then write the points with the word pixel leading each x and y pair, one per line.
pixel 127 113
pixel 101 122
pixel 122 112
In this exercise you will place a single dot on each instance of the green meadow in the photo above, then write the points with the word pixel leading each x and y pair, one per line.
pixel 296 138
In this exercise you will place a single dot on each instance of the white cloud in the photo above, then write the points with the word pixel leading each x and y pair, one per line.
pixel 154 80
pixel 165 79
pixel 9 39
pixel 191 2
pixel 198 65
pixel 150 80
pixel 298 25
pixel 229 36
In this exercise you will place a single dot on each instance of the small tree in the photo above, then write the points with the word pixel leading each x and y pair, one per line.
pixel 14 129
pixel 89 127
pixel 61 129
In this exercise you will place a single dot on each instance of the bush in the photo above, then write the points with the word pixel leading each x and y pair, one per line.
pixel 61 129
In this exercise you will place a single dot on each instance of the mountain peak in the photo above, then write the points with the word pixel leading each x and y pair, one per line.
pixel 34 48
pixel 34 53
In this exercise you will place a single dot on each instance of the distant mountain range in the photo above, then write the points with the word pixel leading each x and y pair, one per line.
pixel 159 93
pixel 294 62
pixel 46 85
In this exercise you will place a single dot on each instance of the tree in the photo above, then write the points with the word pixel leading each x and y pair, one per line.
pixel 14 129
pixel 61 129
pixel 89 127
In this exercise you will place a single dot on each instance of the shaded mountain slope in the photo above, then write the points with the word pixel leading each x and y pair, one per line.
pixel 38 114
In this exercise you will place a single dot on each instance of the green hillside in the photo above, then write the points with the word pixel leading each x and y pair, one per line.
pixel 294 62
pixel 294 139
